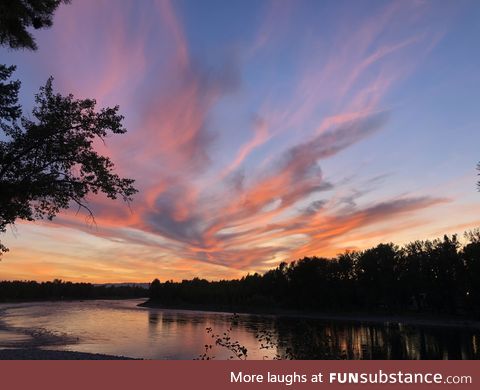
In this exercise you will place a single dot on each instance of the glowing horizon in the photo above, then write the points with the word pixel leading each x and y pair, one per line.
pixel 260 132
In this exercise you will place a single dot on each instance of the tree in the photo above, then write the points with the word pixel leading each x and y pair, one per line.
pixel 49 162
pixel 471 257
pixel 377 270
pixel 16 16
pixel 155 289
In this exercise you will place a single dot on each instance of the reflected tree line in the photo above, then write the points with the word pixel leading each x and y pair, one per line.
pixel 310 339
pixel 440 276
pixel 58 289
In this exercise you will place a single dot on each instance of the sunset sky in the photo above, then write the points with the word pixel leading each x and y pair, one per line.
pixel 260 131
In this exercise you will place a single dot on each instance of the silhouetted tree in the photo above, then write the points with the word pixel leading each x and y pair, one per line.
pixel 471 258
pixel 446 268
pixel 10 111
pixel 376 270
pixel 415 276
pixel 154 290
pixel 16 16
pixel 49 161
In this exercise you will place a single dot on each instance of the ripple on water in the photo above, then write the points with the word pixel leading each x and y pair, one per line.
pixel 9 339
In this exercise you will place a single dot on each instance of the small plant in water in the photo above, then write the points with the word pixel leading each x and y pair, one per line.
pixel 310 344
pixel 268 342
pixel 237 351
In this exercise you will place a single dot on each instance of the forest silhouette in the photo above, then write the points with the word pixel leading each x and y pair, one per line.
pixel 439 277
pixel 58 290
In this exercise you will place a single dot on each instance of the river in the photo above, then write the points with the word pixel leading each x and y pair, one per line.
pixel 124 329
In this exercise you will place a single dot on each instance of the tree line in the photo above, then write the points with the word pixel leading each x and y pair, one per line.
pixel 58 289
pixel 440 276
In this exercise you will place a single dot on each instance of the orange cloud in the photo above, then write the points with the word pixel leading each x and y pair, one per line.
pixel 192 216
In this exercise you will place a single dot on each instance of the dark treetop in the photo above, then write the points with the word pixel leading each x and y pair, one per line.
pixel 48 160
pixel 16 16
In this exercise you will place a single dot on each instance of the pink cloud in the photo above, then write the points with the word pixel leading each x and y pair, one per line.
pixel 193 215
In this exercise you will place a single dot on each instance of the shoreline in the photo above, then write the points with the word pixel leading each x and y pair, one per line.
pixel 423 320
pixel 51 300
pixel 50 354
pixel 36 347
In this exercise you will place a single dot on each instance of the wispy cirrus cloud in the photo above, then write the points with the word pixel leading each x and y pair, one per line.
pixel 273 199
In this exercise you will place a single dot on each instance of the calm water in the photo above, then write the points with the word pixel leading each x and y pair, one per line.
pixel 122 328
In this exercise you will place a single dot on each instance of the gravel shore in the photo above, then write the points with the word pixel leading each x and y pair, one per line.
pixel 44 354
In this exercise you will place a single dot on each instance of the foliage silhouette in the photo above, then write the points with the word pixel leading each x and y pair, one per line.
pixel 268 341
pixel 58 289
pixel 224 340
pixel 16 16
pixel 434 277
pixel 49 162
pixel 279 343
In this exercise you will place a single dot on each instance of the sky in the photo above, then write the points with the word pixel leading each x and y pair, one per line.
pixel 259 132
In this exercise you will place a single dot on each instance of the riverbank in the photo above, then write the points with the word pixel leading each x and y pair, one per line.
pixel 100 298
pixel 424 320
pixel 46 354
pixel 32 343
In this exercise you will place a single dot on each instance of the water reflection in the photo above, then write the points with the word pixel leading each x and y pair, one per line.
pixel 341 340
pixel 122 328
